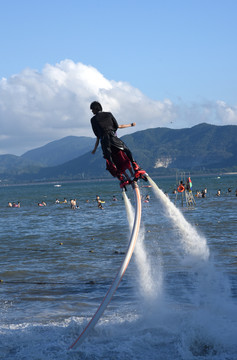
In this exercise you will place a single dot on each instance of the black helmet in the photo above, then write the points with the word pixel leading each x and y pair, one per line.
pixel 95 105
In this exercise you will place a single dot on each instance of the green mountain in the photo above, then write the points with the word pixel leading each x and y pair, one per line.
pixel 54 153
pixel 60 151
pixel 15 165
pixel 160 151
pixel 200 147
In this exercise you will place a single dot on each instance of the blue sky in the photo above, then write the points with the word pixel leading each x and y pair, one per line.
pixel 179 56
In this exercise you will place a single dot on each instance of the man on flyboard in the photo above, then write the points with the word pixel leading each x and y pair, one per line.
pixel 118 156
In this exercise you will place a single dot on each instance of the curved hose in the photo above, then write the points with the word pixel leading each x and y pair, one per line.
pixel 121 272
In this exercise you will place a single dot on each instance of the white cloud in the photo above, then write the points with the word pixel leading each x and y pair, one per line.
pixel 226 114
pixel 38 107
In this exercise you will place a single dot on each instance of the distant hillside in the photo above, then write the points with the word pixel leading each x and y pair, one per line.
pixel 202 148
pixel 60 151
pixel 15 165
pixel 54 153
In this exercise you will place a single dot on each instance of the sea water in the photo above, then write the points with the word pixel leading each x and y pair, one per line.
pixel 177 299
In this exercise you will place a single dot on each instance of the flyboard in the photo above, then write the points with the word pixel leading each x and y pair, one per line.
pixel 121 272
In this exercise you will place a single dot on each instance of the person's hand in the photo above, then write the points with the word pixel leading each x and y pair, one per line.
pixel 133 124
pixel 93 151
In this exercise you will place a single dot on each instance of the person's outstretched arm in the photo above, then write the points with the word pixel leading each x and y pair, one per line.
pixel 125 126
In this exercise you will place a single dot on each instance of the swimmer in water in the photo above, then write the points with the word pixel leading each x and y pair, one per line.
pixel 99 202
pixel 73 204
pixel 147 199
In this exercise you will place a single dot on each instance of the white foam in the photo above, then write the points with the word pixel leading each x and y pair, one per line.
pixel 148 287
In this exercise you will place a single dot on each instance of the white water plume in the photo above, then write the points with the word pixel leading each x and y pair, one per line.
pixel 193 243
pixel 129 211
pixel 148 288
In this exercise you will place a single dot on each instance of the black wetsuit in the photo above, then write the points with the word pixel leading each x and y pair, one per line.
pixel 105 126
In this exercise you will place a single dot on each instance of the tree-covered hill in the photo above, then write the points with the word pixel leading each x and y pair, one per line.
pixel 202 148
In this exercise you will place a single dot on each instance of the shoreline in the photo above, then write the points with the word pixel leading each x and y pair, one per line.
pixel 54 182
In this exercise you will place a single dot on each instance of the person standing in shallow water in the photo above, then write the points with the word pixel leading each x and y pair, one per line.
pixel 104 126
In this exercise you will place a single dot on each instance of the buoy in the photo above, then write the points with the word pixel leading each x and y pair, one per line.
pixel 181 188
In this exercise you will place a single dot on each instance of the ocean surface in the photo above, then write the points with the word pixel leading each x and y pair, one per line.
pixel 177 299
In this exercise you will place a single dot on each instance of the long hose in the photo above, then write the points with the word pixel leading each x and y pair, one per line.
pixel 121 272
